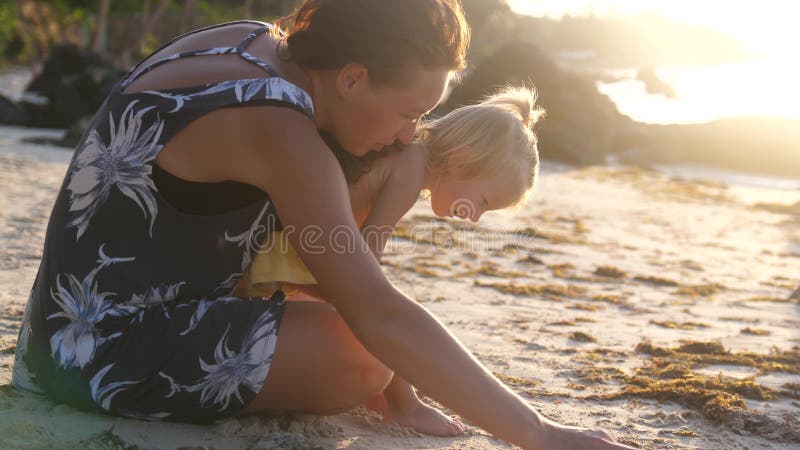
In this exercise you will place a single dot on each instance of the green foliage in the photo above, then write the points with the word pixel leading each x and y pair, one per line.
pixel 8 21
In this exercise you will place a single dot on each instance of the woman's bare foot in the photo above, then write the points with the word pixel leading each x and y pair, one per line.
pixel 415 414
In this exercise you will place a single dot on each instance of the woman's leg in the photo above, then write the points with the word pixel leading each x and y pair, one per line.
pixel 319 366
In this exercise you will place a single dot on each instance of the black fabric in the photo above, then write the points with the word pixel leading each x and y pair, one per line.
pixel 192 197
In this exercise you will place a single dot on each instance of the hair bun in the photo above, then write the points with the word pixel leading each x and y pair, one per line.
pixel 520 100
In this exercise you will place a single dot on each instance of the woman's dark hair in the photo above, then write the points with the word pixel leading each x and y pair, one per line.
pixel 383 35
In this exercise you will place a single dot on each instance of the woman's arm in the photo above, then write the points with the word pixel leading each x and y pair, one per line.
pixel 400 176
pixel 280 151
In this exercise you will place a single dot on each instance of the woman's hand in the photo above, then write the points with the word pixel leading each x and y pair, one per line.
pixel 556 437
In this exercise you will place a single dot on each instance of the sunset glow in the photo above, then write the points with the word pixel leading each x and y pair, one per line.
pixel 767 26
pixel 764 86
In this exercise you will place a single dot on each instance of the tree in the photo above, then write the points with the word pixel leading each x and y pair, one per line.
pixel 100 36
pixel 187 19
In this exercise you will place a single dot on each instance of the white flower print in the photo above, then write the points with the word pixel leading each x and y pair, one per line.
pixel 154 296
pixel 74 344
pixel 202 306
pixel 269 88
pixel 103 395
pixel 124 163
pixel 231 371
pixel 249 241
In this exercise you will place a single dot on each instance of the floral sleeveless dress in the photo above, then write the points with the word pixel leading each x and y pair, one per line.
pixel 131 311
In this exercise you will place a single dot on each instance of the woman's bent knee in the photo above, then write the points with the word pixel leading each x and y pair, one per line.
pixel 319 365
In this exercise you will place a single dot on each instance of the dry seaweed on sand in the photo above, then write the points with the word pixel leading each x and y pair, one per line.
pixel 516 381
pixel 558 238
pixel 657 281
pixel 580 336
pixel 563 323
pixel 599 374
pixel 698 353
pixel 567 272
pixel 765 298
pixel 584 319
pixel 10 350
pixel 755 331
pixel 492 270
pixel 557 290
pixel 580 227
pixel 530 259
pixel 609 298
pixel 779 208
pixel 685 433
pixel 701 290
pixel 683 326
pixel 423 271
pixel 610 272
pixel 586 306
pixel 718 398
pixel 562 270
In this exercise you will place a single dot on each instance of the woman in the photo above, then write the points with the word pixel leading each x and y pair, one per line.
pixel 131 310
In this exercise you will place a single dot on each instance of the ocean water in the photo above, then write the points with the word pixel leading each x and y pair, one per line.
pixel 758 87
pixel 748 188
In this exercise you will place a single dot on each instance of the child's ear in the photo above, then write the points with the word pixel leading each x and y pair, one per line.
pixel 351 79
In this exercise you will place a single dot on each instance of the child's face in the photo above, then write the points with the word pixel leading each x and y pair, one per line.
pixel 469 199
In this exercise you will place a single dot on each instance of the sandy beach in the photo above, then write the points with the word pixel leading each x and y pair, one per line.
pixel 654 307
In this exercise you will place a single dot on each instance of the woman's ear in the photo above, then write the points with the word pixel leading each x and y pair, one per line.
pixel 351 79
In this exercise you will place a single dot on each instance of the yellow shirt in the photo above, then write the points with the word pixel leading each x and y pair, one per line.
pixel 279 262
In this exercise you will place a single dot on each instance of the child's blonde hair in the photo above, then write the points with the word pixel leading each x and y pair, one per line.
pixel 481 140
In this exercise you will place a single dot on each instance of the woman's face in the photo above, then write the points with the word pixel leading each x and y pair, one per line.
pixel 469 199
pixel 370 117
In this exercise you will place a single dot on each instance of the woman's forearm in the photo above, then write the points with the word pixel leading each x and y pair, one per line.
pixel 418 347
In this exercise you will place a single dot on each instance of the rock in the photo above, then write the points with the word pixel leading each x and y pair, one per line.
pixel 581 126
pixel 72 84
pixel 653 84
pixel 795 295
pixel 11 113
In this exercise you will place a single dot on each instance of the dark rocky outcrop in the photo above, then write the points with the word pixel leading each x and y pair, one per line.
pixel 582 126
pixel 72 84
pixel 12 113
pixel 653 84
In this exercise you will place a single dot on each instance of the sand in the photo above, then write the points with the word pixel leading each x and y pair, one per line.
pixel 553 298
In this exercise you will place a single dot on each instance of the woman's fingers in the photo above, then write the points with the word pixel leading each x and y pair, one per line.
pixel 580 438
